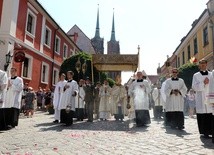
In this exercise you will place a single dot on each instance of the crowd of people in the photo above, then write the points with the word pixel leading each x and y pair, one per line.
pixel 84 100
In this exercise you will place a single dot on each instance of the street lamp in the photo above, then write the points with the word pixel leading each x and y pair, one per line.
pixel 78 68
pixel 8 60
pixel 158 69
pixel 81 69
pixel 78 65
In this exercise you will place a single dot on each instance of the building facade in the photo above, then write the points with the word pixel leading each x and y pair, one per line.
pixel 199 41
pixel 26 27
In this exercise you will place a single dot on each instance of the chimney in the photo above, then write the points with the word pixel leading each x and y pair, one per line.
pixel 74 37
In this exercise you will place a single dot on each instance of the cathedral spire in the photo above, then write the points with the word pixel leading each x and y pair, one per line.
pixel 113 30
pixel 97 32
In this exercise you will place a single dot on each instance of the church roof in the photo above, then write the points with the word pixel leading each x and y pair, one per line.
pixel 83 42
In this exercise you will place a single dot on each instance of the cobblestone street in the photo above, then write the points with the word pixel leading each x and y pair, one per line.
pixel 38 135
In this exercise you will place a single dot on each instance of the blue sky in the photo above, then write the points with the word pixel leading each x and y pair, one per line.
pixel 156 25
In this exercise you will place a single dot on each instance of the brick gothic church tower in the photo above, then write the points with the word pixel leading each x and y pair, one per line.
pixel 113 47
pixel 97 42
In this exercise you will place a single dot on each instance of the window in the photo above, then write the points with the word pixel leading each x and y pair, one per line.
pixel 44 74
pixel 178 61
pixel 27 67
pixel 195 46
pixel 47 36
pixel 55 76
pixel 57 45
pixel 65 51
pixel 183 57
pixel 31 23
pixel 205 36
pixel 188 53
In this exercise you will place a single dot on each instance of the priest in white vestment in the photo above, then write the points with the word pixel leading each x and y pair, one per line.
pixel 67 104
pixel 158 99
pixel 80 101
pixel 14 96
pixel 59 88
pixel 104 108
pixel 140 90
pixel 200 84
pixel 118 99
pixel 175 90
pixel 3 89
pixel 163 94
pixel 210 100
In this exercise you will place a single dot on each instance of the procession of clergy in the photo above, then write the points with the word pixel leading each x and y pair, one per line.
pixel 72 99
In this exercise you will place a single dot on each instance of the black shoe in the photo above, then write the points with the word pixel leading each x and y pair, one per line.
pixel 181 127
pixel 89 121
pixel 68 124
pixel 206 136
pixel 56 121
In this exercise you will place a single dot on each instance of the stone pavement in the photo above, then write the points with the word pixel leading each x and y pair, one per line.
pixel 39 136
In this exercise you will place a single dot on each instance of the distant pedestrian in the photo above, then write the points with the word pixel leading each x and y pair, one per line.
pixel 30 98
pixel 39 97
pixel 191 102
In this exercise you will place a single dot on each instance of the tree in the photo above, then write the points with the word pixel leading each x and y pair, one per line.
pixel 186 72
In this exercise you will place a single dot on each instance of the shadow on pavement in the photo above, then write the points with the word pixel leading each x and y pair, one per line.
pixel 109 125
pixel 207 143
pixel 179 133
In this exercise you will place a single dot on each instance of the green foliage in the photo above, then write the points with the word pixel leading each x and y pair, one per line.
pixel 186 72
pixel 111 82
pixel 70 65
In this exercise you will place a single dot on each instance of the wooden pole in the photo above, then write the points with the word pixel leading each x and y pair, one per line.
pixel 92 70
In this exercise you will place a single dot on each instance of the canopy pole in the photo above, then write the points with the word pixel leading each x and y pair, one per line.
pixel 92 70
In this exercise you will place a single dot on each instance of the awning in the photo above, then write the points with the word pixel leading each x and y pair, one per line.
pixel 115 62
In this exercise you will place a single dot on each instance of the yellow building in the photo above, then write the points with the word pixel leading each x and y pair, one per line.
pixel 199 42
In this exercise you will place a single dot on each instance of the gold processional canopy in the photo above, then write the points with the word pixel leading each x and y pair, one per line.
pixel 115 62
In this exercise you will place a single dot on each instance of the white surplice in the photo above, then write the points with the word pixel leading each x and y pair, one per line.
pixel 67 98
pixel 201 93
pixel 158 99
pixel 80 103
pixel 140 92
pixel 14 93
pixel 175 102
pixel 118 98
pixel 58 94
pixel 210 97
pixel 3 87
pixel 163 94
pixel 58 91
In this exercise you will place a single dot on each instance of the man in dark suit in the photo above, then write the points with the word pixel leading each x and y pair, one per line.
pixel 89 98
